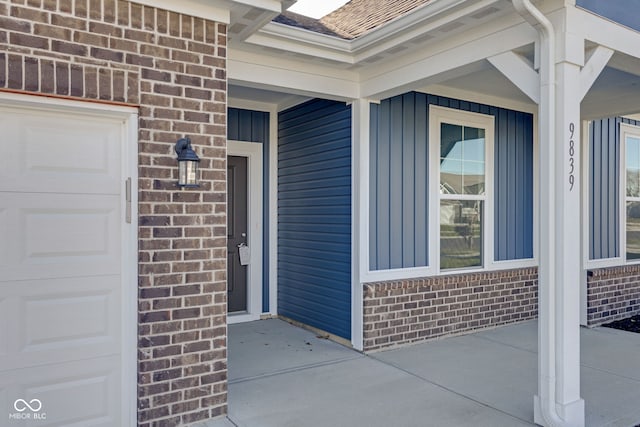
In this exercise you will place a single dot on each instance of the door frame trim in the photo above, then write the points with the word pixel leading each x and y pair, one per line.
pixel 129 231
pixel 253 152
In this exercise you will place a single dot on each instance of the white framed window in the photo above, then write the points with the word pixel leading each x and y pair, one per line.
pixel 461 185
pixel 630 192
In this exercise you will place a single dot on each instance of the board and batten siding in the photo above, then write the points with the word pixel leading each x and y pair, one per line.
pixel 604 184
pixel 314 215
pixel 399 174
pixel 253 126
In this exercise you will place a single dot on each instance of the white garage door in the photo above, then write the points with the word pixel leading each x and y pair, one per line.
pixel 64 350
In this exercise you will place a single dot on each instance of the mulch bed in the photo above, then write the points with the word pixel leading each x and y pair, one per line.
pixel 630 324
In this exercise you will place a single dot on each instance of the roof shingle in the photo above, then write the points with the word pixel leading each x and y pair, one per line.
pixel 301 21
pixel 353 19
pixel 359 16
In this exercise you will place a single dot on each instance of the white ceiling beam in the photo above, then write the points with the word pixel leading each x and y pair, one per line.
pixel 592 69
pixel 263 76
pixel 519 72
pixel 421 71
pixel 606 33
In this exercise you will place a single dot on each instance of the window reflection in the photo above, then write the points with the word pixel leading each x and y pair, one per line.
pixel 461 233
pixel 633 166
pixel 633 230
pixel 462 162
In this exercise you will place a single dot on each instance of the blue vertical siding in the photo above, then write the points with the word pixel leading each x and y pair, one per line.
pixel 399 183
pixel 253 126
pixel 399 180
pixel 513 185
pixel 314 215
pixel 604 186
pixel 621 11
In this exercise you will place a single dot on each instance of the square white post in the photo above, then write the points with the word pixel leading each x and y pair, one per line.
pixel 560 267
pixel 360 118
pixel 568 242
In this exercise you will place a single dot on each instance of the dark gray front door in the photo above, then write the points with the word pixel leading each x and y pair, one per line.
pixel 236 233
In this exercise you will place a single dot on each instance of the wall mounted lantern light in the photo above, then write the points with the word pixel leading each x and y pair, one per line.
pixel 187 164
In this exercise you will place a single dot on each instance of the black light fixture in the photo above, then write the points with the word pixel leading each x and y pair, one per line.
pixel 187 164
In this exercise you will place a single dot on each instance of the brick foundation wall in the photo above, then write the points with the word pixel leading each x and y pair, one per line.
pixel 173 67
pixel 406 311
pixel 612 294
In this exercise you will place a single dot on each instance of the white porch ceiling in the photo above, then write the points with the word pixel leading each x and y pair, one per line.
pixel 287 49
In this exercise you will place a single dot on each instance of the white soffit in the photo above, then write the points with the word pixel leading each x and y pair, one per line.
pixel 426 23
pixel 215 10
pixel 253 12
pixel 247 17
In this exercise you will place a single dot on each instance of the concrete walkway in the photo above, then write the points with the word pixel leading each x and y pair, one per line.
pixel 282 376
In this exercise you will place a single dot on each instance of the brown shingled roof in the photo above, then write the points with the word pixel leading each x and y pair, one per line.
pixel 301 21
pixel 354 18
pixel 359 16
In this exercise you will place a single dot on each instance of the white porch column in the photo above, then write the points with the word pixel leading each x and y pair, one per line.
pixel 561 251
pixel 568 241
pixel 360 118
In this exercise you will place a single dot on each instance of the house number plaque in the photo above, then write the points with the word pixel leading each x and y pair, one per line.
pixel 572 153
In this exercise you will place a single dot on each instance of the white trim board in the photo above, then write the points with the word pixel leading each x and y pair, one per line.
pixel 273 211
pixel 634 131
pixel 438 115
pixel 253 152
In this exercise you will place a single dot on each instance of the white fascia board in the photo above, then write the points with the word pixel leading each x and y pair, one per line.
pixel 290 80
pixel 276 29
pixel 303 45
pixel 270 5
pixel 426 67
pixel 214 10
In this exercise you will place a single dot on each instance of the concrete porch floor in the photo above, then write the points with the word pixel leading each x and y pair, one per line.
pixel 281 375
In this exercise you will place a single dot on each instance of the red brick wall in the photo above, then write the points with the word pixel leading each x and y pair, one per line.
pixel 173 66
pixel 612 294
pixel 411 310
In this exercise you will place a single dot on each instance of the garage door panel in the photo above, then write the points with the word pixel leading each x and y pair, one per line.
pixel 60 153
pixel 55 233
pixel 62 270
pixel 84 393
pixel 61 319
pixel 58 235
